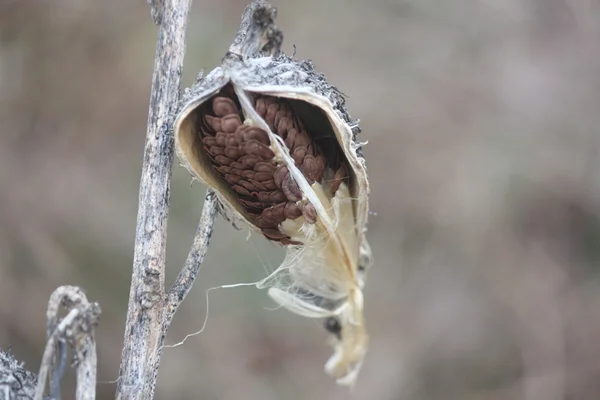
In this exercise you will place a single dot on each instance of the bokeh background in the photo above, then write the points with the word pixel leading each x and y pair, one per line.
pixel 482 119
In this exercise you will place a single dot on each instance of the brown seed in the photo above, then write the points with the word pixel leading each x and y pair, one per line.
pixel 231 178
pixel 259 186
pixel 290 188
pixel 216 150
pixel 337 180
pixel 283 113
pixel 274 215
pixel 221 138
pixel 239 133
pixel 248 174
pixel 277 196
pixel 263 222
pixel 263 197
pixel 292 211
pixel 310 168
pixel 298 154
pixel 232 152
pixel 261 107
pixel 264 166
pixel 272 109
pixel 302 140
pixel 223 160
pixel 263 176
pixel 310 213
pixel 256 134
pixel 283 125
pixel 247 185
pixel 321 163
pixel 270 184
pixel 273 234
pixel 240 190
pixel 230 123
pixel 223 169
pixel 239 165
pixel 230 140
pixel 251 204
pixel 209 141
pixel 213 122
pixel 279 175
pixel 256 148
pixel 249 160
pixel 235 171
pixel 291 137
pixel 223 106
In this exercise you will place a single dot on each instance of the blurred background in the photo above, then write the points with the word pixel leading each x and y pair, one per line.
pixel 482 119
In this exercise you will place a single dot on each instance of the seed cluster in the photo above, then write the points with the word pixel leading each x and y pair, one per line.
pixel 242 155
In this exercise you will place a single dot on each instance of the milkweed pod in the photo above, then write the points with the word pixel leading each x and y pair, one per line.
pixel 274 140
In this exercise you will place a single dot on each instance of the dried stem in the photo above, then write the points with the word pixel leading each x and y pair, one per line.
pixel 183 284
pixel 258 32
pixel 140 355
pixel 76 329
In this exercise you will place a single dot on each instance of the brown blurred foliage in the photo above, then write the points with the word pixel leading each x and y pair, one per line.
pixel 482 121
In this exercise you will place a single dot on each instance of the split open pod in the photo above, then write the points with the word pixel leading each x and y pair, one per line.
pixel 275 142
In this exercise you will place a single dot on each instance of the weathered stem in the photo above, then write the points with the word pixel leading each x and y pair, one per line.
pixel 185 280
pixel 77 329
pixel 257 32
pixel 140 356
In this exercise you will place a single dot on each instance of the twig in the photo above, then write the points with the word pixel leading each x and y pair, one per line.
pixel 156 7
pixel 77 329
pixel 183 284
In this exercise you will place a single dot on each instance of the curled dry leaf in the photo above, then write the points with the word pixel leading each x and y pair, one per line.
pixel 275 142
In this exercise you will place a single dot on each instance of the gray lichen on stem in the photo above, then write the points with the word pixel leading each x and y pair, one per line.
pixel 15 381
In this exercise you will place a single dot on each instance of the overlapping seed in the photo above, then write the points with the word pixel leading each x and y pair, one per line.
pixel 243 157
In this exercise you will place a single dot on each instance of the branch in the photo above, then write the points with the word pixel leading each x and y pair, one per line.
pixel 156 9
pixel 140 355
pixel 184 281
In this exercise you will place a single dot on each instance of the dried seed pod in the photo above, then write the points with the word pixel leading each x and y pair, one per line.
pixel 275 142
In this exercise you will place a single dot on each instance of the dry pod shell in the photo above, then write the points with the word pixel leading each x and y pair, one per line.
pixel 275 142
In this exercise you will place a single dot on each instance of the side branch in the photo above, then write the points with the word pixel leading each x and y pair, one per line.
pixel 183 284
